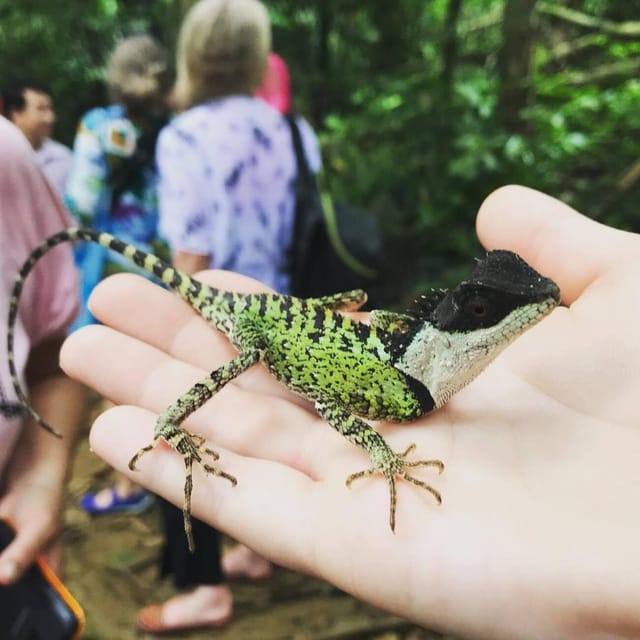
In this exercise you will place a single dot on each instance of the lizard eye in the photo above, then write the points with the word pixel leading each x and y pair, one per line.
pixel 477 307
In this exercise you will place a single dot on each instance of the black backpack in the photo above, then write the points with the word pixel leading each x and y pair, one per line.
pixel 335 246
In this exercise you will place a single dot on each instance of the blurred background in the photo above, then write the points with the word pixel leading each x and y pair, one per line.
pixel 423 107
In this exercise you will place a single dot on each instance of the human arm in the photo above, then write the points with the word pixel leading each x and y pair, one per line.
pixel 33 491
pixel 33 467
pixel 310 144
pixel 536 537
pixel 190 262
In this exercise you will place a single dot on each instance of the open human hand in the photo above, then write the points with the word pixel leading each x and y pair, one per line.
pixel 32 500
pixel 537 534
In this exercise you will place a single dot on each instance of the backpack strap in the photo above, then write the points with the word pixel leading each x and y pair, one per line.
pixel 304 171
pixel 331 225
pixel 325 214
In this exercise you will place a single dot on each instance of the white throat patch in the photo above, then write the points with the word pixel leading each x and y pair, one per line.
pixel 445 362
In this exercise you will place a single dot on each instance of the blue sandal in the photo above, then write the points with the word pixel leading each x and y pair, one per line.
pixel 139 501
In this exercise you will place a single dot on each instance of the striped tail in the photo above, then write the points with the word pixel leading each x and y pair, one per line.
pixel 194 292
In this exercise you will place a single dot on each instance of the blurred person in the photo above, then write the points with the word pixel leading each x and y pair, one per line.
pixel 112 187
pixel 227 163
pixel 227 167
pixel 30 107
pixel 34 466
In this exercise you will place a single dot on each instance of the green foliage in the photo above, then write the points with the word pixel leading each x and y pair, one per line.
pixel 387 150
pixel 410 119
pixel 65 45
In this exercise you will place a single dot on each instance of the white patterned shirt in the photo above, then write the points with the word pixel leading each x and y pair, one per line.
pixel 227 171
pixel 55 161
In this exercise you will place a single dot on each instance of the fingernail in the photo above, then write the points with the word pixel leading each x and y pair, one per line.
pixel 8 571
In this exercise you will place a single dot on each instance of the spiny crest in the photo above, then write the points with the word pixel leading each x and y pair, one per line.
pixel 400 329
pixel 424 305
pixel 395 324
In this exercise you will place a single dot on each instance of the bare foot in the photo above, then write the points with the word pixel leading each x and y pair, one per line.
pixel 243 563
pixel 121 497
pixel 206 606
pixel 104 498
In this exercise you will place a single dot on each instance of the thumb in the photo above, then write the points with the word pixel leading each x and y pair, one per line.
pixel 554 238
pixel 19 554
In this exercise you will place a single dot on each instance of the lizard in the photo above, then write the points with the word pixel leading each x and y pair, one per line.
pixel 396 367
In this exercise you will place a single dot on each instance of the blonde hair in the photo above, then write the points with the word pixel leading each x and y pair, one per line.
pixel 138 73
pixel 222 50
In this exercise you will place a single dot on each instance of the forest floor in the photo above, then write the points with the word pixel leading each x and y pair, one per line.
pixel 111 569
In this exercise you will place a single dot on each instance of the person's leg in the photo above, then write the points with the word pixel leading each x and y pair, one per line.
pixel 242 563
pixel 205 600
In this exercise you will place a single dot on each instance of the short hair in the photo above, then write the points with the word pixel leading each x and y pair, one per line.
pixel 222 50
pixel 138 73
pixel 12 96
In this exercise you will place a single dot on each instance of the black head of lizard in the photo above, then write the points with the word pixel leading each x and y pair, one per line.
pixel 450 338
pixel 500 283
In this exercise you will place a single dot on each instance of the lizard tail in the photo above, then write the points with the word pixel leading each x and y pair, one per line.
pixel 193 291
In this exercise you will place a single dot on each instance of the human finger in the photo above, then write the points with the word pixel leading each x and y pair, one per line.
pixel 159 317
pixel 554 238
pixel 21 552
pixel 276 510
pixel 245 421
pixel 271 502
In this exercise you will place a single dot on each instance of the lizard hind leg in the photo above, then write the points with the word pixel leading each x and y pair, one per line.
pixel 395 465
pixel 384 460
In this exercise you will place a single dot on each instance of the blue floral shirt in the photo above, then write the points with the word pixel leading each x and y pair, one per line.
pixel 111 188
pixel 227 169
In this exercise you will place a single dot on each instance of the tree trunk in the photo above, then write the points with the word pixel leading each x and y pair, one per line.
pixel 450 48
pixel 321 102
pixel 396 26
pixel 516 60
pixel 443 113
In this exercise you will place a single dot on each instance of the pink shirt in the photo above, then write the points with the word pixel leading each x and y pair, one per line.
pixel 29 213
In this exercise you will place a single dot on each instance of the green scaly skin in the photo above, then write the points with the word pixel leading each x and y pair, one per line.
pixel 349 369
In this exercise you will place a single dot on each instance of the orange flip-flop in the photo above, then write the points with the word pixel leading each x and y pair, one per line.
pixel 150 620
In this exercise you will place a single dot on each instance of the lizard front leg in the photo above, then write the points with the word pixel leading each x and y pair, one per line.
pixel 383 459
pixel 343 301
pixel 192 446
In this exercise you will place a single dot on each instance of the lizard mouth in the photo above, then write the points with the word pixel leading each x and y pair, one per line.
pixel 549 291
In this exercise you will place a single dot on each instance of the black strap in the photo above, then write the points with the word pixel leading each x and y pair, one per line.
pixel 304 171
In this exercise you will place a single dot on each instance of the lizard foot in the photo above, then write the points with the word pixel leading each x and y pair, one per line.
pixel 395 465
pixel 192 449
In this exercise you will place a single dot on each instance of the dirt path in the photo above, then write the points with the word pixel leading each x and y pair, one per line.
pixel 111 570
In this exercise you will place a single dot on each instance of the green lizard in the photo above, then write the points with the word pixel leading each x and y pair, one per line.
pixel 397 368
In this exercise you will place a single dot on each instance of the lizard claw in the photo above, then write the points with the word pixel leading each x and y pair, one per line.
pixel 192 449
pixel 394 465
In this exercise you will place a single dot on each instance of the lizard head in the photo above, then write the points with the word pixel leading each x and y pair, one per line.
pixel 502 290
pixel 462 330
